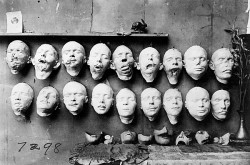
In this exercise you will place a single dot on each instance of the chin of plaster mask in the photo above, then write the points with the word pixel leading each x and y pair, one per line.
pixel 195 62
pixel 45 61
pixel 223 140
pixel 151 103
pixel 220 102
pixel 172 103
pixel 102 98
pixel 73 57
pixel 93 139
pixel 149 63
pixel 47 101
pixel 163 136
pixel 99 60
pixel 222 62
pixel 18 56
pixel 21 98
pixel 74 96
pixel 198 103
pixel 123 62
pixel 202 137
pixel 184 138
pixel 145 139
pixel 125 104
pixel 172 62
pixel 128 137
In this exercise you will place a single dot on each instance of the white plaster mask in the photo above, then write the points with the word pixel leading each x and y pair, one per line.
pixel 223 140
pixel 172 62
pixel 47 101
pixel 222 62
pixel 184 138
pixel 21 98
pixel 195 62
pixel 73 57
pixel 220 103
pixel 92 138
pixel 123 62
pixel 125 104
pixel 18 56
pixel 99 60
pixel 102 98
pixel 143 139
pixel 163 136
pixel 198 103
pixel 45 61
pixel 202 137
pixel 74 96
pixel 151 102
pixel 172 103
pixel 128 137
pixel 149 63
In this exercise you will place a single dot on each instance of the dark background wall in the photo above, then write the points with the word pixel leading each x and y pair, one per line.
pixel 188 23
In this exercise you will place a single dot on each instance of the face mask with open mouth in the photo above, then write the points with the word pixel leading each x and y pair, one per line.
pixel 202 137
pixel 128 137
pixel 163 136
pixel 185 137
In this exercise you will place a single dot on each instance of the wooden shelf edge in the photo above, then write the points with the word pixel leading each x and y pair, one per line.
pixel 81 35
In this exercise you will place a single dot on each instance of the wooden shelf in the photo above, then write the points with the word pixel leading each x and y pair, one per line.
pixel 82 35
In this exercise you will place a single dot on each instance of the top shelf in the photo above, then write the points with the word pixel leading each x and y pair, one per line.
pixel 83 35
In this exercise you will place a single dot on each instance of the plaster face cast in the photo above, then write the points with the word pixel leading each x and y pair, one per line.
pixel 128 137
pixel 99 60
pixel 202 137
pixel 47 101
pixel 172 103
pixel 125 104
pixel 222 63
pixel 163 136
pixel 220 103
pixel 198 103
pixel 223 140
pixel 149 63
pixel 21 98
pixel 195 62
pixel 73 57
pixel 74 96
pixel 151 103
pixel 123 62
pixel 45 61
pixel 184 138
pixel 102 98
pixel 18 56
pixel 172 62
pixel 92 138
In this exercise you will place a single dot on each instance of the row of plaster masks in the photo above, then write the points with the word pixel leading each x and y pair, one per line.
pixel 75 96
pixel 122 61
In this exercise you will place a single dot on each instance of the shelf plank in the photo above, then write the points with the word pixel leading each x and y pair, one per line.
pixel 83 35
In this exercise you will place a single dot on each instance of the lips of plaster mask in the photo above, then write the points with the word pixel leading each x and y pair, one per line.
pixel 92 138
pixel 21 98
pixel 18 56
pixel 73 57
pixel 128 137
pixel 163 136
pixel 195 62
pixel 149 63
pixel 45 61
pixel 123 62
pixel 143 139
pixel 172 62
pixel 202 137
pixel 99 60
pixel 184 138
pixel 222 62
